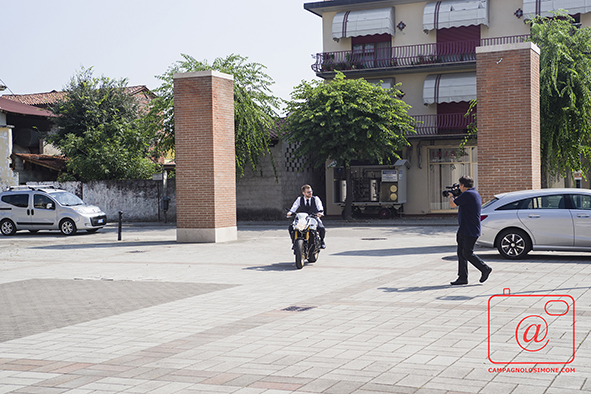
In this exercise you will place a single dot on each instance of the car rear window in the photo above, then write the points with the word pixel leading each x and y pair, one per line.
pixel 18 200
pixel 519 204
pixel 490 202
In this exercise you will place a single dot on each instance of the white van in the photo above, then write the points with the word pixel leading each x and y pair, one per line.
pixel 41 208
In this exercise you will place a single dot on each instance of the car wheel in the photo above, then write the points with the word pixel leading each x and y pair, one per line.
pixel 514 244
pixel 7 227
pixel 68 227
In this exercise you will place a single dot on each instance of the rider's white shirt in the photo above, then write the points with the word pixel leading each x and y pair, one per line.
pixel 296 204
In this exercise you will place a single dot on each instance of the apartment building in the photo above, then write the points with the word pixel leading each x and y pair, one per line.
pixel 430 49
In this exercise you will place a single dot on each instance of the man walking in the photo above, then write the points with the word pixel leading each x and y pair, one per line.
pixel 469 203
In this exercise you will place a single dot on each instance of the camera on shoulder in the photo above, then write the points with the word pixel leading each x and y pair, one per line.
pixel 454 190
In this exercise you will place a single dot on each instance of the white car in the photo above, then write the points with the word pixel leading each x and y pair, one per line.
pixel 41 208
pixel 547 219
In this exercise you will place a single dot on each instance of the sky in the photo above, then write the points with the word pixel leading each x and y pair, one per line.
pixel 46 42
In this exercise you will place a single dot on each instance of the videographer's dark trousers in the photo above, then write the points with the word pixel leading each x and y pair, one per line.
pixel 466 253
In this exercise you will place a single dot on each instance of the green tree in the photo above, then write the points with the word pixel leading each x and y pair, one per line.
pixel 98 130
pixel 565 95
pixel 254 106
pixel 346 120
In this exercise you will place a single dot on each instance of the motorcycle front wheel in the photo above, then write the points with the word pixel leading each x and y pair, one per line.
pixel 298 248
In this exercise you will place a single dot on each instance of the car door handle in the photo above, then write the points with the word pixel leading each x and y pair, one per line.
pixel 533 216
pixel 582 215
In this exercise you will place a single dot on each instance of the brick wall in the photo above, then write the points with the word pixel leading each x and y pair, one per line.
pixel 205 159
pixel 508 118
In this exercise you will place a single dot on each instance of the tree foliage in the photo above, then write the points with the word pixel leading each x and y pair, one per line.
pixel 98 130
pixel 565 95
pixel 346 120
pixel 254 106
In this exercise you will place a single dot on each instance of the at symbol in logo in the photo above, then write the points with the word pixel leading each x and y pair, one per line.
pixel 531 333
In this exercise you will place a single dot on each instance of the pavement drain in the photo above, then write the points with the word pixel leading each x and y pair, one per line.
pixel 295 308
pixel 374 239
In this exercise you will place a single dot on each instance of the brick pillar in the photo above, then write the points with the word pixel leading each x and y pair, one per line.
pixel 508 91
pixel 205 160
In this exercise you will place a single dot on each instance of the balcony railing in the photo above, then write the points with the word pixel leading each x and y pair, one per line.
pixel 442 124
pixel 406 56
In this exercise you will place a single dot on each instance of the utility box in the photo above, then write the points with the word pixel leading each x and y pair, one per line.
pixel 378 187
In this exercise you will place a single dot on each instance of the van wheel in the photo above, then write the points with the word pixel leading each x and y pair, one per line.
pixel 68 227
pixel 7 227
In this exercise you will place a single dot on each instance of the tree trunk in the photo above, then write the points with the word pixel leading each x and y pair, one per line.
pixel 544 175
pixel 349 196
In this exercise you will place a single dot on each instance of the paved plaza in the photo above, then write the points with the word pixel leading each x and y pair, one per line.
pixel 375 314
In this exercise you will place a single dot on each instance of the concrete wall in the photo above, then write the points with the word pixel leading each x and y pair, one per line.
pixel 263 196
pixel 140 200
pixel 7 176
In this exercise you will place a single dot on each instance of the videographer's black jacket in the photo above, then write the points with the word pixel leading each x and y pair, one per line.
pixel 469 203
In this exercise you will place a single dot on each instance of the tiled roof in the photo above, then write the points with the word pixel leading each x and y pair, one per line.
pixel 55 96
pixel 14 107
pixel 57 163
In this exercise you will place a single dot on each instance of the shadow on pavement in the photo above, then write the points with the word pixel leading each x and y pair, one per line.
pixel 275 267
pixel 115 244
pixel 397 251
pixel 427 288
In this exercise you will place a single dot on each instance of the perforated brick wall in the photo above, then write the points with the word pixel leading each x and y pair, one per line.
pixel 205 160
pixel 508 118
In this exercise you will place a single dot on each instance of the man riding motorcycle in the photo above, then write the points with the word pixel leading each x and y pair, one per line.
pixel 312 205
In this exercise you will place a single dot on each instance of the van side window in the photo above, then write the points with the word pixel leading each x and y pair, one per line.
pixel 18 200
pixel 40 202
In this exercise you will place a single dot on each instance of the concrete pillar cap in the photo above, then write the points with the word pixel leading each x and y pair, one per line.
pixel 207 73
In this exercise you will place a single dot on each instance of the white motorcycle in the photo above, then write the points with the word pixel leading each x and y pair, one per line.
pixel 307 241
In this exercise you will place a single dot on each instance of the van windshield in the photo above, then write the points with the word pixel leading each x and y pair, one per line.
pixel 67 199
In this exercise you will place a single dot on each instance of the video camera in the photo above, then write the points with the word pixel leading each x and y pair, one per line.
pixel 454 190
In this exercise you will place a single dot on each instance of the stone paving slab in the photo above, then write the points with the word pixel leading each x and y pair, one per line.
pixel 374 315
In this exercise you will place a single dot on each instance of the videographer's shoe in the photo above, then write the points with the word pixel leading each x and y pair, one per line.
pixel 459 282
pixel 323 246
pixel 485 275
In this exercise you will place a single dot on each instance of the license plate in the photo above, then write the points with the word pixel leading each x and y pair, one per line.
pixel 100 221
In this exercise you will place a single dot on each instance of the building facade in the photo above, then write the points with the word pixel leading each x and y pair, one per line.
pixel 429 48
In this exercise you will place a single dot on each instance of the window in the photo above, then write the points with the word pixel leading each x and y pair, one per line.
pixel 372 51
pixel 40 202
pixel 446 166
pixel 18 200
pixel 581 201
pixel 515 205
pixel 545 202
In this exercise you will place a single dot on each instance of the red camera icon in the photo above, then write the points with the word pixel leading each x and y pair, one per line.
pixel 531 329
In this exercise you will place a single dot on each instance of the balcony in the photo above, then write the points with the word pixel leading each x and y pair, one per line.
pixel 406 56
pixel 442 124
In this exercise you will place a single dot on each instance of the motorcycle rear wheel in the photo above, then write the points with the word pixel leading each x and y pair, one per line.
pixel 298 248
